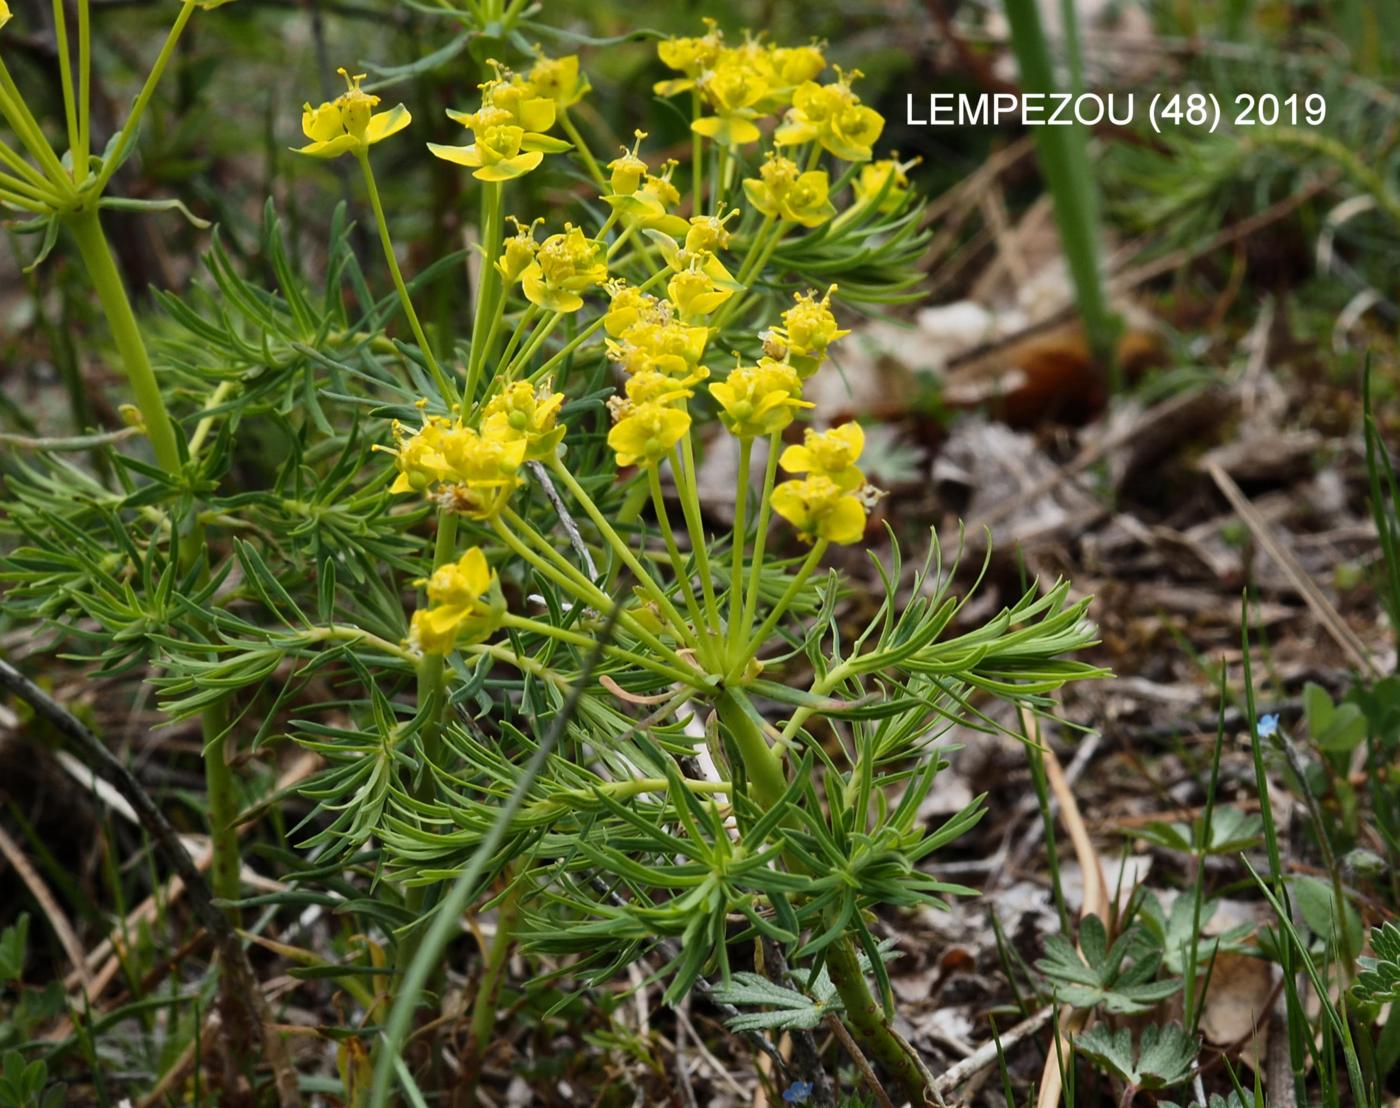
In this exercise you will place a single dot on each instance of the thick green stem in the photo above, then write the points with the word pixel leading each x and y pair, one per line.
pixel 766 783
pixel 867 1019
pixel 86 229
pixel 762 766
pixel 225 865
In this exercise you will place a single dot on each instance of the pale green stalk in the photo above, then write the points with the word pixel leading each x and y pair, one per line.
pixel 572 580
pixel 127 135
pixel 65 77
pixel 590 163
pixel 766 628
pixel 526 318
pixel 86 228
pixel 31 135
pixel 694 525
pixel 542 332
pixel 491 232
pixel 678 568
pixel 736 561
pixel 575 638
pixel 27 172
pixel 644 579
pixel 80 158
pixel 760 539
pixel 449 394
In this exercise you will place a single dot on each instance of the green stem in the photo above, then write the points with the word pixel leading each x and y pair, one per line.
pixel 449 394
pixel 736 554
pixel 575 638
pixel 697 157
pixel 491 231
pixel 65 77
pixel 590 163
pixel 571 579
pixel 86 228
pixel 867 1019
pixel 31 135
pixel 128 132
pixel 489 988
pixel 225 866
pixel 542 332
pixel 763 767
pixel 690 508
pixel 794 587
pixel 644 579
pixel 760 539
pixel 430 669
pixel 678 566
pixel 80 157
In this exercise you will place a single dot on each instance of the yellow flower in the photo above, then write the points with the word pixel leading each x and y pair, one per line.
pixel 795 65
pixel 518 251
pixel 731 89
pixel 565 265
pixel 830 454
pixel 808 329
pixel 558 79
pixel 833 116
pixel 708 233
pixel 628 305
pixel 820 509
pixel 4 13
pixel 690 56
pixel 696 293
pixel 466 603
pixel 888 176
pixel 647 433
pixel 759 399
pixel 347 123
pixel 629 169
pixel 420 457
pixel 508 137
pixel 649 204
pixel 521 412
pixel 783 191
pixel 656 342
pixel 483 470
pixel 465 471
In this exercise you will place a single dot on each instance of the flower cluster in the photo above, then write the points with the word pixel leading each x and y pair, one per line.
pixel 475 471
pixel 465 605
pixel 508 130
pixel 829 503
pixel 739 85
pixel 660 353
pixel 555 272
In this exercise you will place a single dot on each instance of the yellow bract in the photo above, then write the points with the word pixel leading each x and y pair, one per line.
pixel 831 454
pixel 518 252
pixel 647 433
pixel 465 605
pixel 558 79
pixel 833 116
pixel 759 399
pixel 522 412
pixel 886 180
pixel 564 266
pixel 783 191
pixel 4 13
pixel 347 123
pixel 508 138
pixel 820 509
pixel 731 90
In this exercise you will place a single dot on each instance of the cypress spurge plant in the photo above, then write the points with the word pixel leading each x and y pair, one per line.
pixel 738 764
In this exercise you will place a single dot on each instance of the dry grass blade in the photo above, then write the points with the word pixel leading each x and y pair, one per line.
pixel 1298 577
pixel 58 920
pixel 1072 1021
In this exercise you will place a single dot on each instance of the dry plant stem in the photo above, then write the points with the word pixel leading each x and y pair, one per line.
pixel 243 1004
pixel 62 928
pixel 862 1064
pixel 1072 1020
